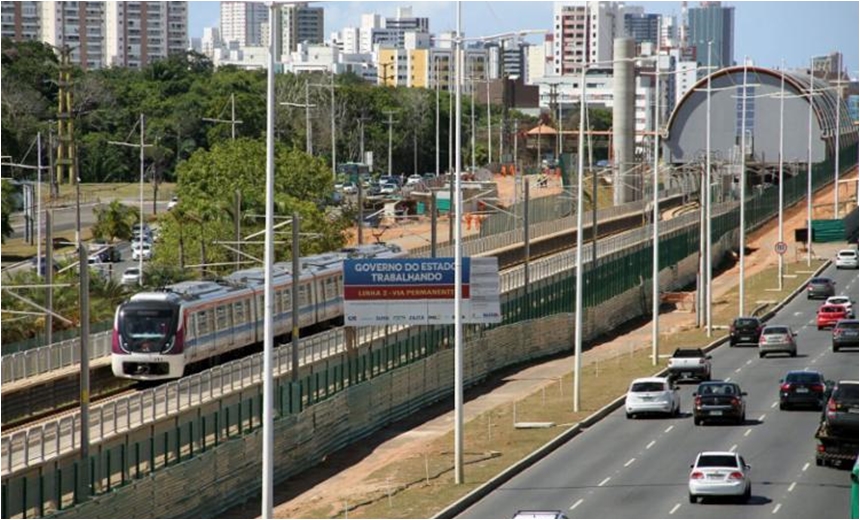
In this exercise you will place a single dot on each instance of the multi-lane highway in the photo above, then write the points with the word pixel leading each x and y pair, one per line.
pixel 622 468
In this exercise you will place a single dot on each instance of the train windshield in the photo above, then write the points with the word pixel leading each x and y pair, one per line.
pixel 147 328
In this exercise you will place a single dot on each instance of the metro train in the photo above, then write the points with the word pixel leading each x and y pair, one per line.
pixel 157 333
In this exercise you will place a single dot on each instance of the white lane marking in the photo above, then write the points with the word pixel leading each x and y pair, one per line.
pixel 791 487
pixel 805 467
pixel 672 512
pixel 650 444
pixel 775 509
pixel 746 433
pixel 604 481
pixel 728 379
pixel 798 313
pixel 774 404
pixel 629 462
pixel 737 370
pixel 749 361
pixel 733 448
pixel 575 504
pixel 763 416
pixel 805 368
pixel 667 430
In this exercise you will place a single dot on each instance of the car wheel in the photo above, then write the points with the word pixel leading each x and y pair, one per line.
pixel 629 415
pixel 747 494
pixel 696 421
pixel 783 406
pixel 793 353
pixel 819 461
pixel 835 348
pixel 743 418
pixel 819 327
pixel 693 498
pixel 760 355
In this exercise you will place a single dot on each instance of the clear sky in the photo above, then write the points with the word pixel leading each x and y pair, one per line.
pixel 765 31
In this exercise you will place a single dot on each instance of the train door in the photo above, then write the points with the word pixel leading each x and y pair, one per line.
pixel 223 328
pixel 204 335
pixel 306 310
pixel 241 327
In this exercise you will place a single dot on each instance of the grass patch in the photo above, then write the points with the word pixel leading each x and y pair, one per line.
pixel 107 191
pixel 420 485
pixel 17 250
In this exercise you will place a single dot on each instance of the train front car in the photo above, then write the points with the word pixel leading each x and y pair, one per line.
pixel 148 338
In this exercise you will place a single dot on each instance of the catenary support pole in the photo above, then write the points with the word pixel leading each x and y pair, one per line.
pixel 458 268
pixel 655 269
pixel 708 229
pixel 84 301
pixel 743 182
pixel 296 275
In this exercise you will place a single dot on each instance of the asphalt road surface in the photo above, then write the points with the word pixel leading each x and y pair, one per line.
pixel 639 468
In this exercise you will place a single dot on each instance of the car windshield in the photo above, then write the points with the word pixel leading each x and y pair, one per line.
pixel 775 330
pixel 133 271
pixel 146 329
pixel 803 377
pixel 648 386
pixel 717 461
pixel 839 300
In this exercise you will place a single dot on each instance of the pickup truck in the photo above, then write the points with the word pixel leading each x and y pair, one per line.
pixel 837 433
pixel 690 363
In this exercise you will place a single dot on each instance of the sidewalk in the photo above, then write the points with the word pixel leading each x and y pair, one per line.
pixel 336 473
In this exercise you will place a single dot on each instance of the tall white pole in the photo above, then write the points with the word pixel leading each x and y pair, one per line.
pixel 308 132
pixel 708 231
pixel 437 116
pixel 489 123
pixel 781 159
pixel 655 270
pixel 48 264
pixel 743 182
pixel 140 256
pixel 472 108
pixel 458 266
pixel 837 129
pixel 809 172
pixel 333 133
pixel 268 260
pixel 577 342
pixel 232 116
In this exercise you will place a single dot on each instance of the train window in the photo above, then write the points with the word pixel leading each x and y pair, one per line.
pixel 190 332
pixel 221 322
pixel 279 302
pixel 303 295
pixel 239 312
pixel 288 299
pixel 330 289
pixel 202 323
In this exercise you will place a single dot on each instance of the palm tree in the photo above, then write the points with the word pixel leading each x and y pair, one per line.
pixel 114 221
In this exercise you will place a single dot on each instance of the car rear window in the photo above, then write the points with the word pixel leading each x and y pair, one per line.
pixel 832 308
pixel 650 386
pixel 715 461
pixel 847 254
pixel 847 325
pixel 775 330
pixel 846 393
pixel 820 281
pixel 803 377
pixel 746 322
pixel 688 352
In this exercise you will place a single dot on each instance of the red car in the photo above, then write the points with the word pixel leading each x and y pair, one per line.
pixel 828 315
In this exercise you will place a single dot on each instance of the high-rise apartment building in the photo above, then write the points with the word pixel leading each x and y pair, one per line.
pixel 642 27
pixel 240 22
pixel 300 23
pixel 827 66
pixel 584 33
pixel 507 59
pixel 712 22
pixel 138 33
pixel 80 26
pixel 210 41
pixel 21 21
pixel 669 32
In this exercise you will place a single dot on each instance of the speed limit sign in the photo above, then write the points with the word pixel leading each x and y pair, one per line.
pixel 780 248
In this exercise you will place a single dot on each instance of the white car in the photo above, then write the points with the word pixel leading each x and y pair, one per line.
pixel 350 188
pixel 720 473
pixel 139 250
pixel 846 258
pixel 388 188
pixel 843 301
pixel 414 179
pixel 652 395
pixel 131 276
pixel 173 203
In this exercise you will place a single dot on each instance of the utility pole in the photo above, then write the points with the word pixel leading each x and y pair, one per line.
pixel 390 124
pixel 309 146
pixel 141 146
pixel 233 121
pixel 361 121
pixel 489 126
pixel 437 121
pixel 838 130
pixel 49 276
pixel 331 86
pixel 65 122
pixel 84 302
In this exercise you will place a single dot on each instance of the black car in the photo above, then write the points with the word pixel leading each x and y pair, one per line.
pixel 719 401
pixel 744 330
pixel 105 251
pixel 845 334
pixel 820 287
pixel 841 412
pixel 802 388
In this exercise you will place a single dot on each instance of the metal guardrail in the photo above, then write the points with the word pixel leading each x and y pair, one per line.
pixel 40 443
pixel 31 363
pixel 37 361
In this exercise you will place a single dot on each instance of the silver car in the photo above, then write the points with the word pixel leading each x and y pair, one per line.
pixel 777 338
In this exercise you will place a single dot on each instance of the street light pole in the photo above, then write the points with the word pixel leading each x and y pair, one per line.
pixel 838 130
pixel 708 232
pixel 655 273
pixel 781 159
pixel 489 124
pixel 308 133
pixel 743 182
pixel 390 122
pixel 437 116
pixel 809 172
pixel 458 270
pixel 577 343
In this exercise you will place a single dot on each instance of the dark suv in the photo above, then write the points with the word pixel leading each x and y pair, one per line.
pixel 105 251
pixel 802 388
pixel 719 400
pixel 845 334
pixel 841 412
pixel 821 287
pixel 744 330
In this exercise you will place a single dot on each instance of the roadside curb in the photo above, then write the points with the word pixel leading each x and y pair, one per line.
pixel 507 474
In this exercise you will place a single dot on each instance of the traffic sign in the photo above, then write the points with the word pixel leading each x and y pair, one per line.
pixel 780 248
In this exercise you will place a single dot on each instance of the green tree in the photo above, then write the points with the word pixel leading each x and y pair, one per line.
pixel 114 221
pixel 7 205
